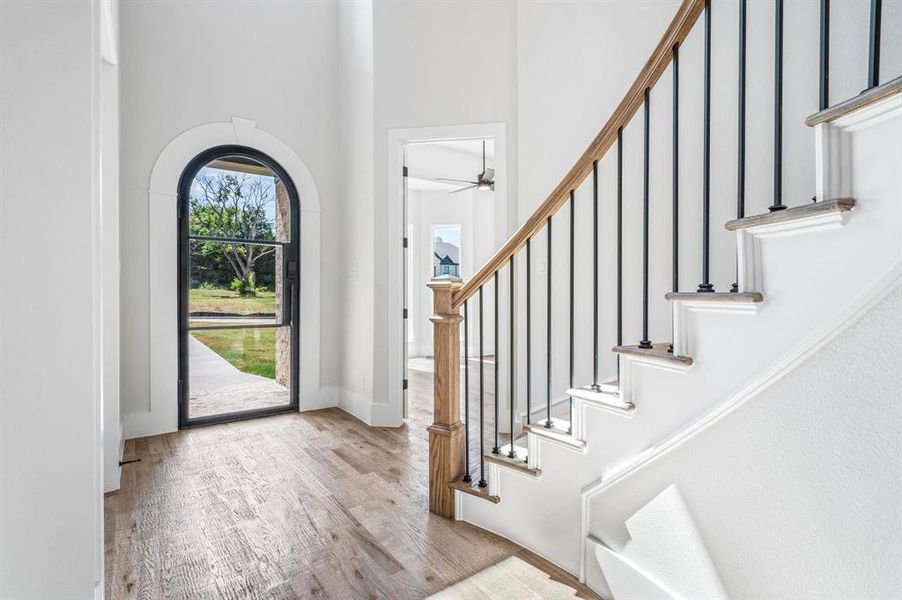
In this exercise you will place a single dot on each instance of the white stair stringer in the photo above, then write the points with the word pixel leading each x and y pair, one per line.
pixel 809 271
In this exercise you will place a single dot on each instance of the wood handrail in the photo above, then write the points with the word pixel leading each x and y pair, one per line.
pixel 679 28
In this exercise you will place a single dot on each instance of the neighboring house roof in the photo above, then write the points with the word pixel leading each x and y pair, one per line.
pixel 445 249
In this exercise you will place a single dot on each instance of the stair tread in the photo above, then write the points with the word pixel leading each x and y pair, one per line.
pixel 658 352
pixel 470 487
pixel 792 214
pixel 738 297
pixel 611 399
pixel 560 431
pixel 518 463
pixel 863 99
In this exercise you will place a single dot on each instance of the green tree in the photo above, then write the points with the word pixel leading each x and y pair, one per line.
pixel 229 205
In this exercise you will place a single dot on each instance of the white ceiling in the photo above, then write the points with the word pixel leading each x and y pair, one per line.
pixel 453 159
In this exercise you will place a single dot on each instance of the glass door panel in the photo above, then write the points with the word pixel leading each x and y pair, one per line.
pixel 235 284
pixel 239 261
pixel 235 370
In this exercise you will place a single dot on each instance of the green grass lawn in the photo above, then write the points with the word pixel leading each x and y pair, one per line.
pixel 216 300
pixel 249 350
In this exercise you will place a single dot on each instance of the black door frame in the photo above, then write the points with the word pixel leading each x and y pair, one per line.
pixel 290 275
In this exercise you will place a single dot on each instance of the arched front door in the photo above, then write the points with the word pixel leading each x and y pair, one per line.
pixel 238 217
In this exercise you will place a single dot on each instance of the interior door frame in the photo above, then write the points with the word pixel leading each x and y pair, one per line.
pixel 290 274
pixel 396 229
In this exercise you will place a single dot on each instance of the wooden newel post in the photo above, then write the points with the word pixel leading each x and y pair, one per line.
pixel 446 434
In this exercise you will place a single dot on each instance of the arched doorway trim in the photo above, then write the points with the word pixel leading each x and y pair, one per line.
pixel 162 413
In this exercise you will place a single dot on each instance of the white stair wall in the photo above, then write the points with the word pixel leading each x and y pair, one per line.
pixel 810 273
pixel 794 490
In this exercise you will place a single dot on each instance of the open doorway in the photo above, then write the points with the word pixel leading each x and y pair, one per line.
pixel 451 229
pixel 238 287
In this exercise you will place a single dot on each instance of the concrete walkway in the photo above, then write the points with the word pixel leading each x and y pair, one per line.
pixel 216 387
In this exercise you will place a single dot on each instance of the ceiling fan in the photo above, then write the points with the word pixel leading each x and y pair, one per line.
pixel 484 181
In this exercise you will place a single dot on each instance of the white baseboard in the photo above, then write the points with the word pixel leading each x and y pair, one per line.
pixel 327 397
pixel 371 413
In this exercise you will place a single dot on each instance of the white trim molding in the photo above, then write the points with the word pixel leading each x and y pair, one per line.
pixel 833 148
pixel 161 415
pixel 748 244
pixel 683 338
pixel 391 408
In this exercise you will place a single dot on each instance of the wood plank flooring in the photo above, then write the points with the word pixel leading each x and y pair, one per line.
pixel 309 505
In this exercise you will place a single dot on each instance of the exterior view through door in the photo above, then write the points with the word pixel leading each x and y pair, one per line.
pixel 238 280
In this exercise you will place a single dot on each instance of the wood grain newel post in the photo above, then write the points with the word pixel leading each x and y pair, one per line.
pixel 446 434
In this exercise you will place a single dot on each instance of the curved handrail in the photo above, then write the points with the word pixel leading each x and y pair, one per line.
pixel 679 28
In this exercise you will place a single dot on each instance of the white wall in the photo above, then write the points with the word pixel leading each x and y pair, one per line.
pixel 814 462
pixel 188 64
pixel 109 156
pixel 51 464
pixel 355 132
pixel 436 63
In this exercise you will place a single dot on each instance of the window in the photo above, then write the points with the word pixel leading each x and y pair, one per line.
pixel 446 250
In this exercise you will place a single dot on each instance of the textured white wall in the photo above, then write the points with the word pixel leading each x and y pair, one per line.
pixel 51 471
pixel 793 491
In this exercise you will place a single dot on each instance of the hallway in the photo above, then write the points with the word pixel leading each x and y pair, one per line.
pixel 314 504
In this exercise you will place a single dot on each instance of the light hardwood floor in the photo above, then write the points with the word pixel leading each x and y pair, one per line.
pixel 304 505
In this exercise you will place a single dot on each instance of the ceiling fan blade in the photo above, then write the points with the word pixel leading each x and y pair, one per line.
pixel 455 181
pixel 469 187
pixel 489 175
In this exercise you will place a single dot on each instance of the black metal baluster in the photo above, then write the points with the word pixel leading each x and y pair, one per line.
pixel 675 237
pixel 705 285
pixel 548 423
pixel 645 342
pixel 675 233
pixel 512 454
pixel 482 482
pixel 740 166
pixel 619 244
pixel 572 249
pixel 595 386
pixel 824 89
pixel 495 448
pixel 874 44
pixel 528 334
pixel 778 107
pixel 467 477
